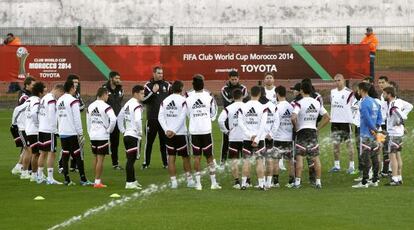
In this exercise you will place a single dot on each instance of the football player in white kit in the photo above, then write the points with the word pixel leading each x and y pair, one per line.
pixel 283 137
pixel 130 125
pixel 100 122
pixel 304 118
pixel 252 120
pixel 228 123
pixel 171 117
pixel 48 133
pixel 396 115
pixel 201 111
pixel 342 99
pixel 32 126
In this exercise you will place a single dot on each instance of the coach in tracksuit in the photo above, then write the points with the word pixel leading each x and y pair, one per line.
pixel 115 96
pixel 155 90
pixel 226 93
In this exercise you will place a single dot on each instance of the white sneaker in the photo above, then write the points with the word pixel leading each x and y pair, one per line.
pixel 40 180
pixel 191 184
pixel 351 171
pixel 215 186
pixel 53 181
pixel 360 185
pixel 174 185
pixel 372 184
pixel 277 185
pixel 132 185
pixel 33 177
pixel 236 186
pixel 359 179
pixel 25 176
pixel 289 185
pixel 198 187
pixel 264 188
pixel 16 171
pixel 137 184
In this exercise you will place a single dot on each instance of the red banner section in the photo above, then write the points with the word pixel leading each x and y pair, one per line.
pixel 135 63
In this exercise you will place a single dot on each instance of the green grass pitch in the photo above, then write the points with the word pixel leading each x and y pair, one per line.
pixel 336 206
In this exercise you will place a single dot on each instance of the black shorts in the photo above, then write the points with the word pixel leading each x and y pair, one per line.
pixel 33 143
pixel 340 132
pixel 249 150
pixel 283 149
pixel 202 144
pixel 70 145
pixel 100 147
pixel 395 144
pixel 23 137
pixel 307 142
pixel 235 149
pixel 14 130
pixel 268 143
pixel 177 145
pixel 132 145
pixel 47 142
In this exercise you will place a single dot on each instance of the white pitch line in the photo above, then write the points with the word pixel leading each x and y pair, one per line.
pixel 152 189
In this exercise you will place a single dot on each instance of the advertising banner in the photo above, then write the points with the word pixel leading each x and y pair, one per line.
pixel 135 63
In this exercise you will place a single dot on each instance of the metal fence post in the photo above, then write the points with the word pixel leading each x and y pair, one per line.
pixel 260 35
pixel 171 35
pixel 79 35
pixel 348 34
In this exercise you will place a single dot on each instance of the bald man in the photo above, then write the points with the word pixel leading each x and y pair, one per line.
pixel 341 119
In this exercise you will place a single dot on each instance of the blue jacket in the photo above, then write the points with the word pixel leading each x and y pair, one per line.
pixel 371 117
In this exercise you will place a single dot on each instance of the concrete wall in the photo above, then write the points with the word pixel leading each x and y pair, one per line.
pixel 111 13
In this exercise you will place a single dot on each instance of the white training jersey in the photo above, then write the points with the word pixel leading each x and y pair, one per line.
pixel 192 91
pixel 307 110
pixel 32 116
pixel 19 116
pixel 201 110
pixel 341 102
pixel 130 119
pixel 230 115
pixel 356 117
pixel 100 120
pixel 252 120
pixel 172 114
pixel 47 114
pixel 271 118
pixel 384 108
pixel 271 94
pixel 205 92
pixel 68 116
pixel 383 118
pixel 284 131
pixel 406 106
pixel 396 115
